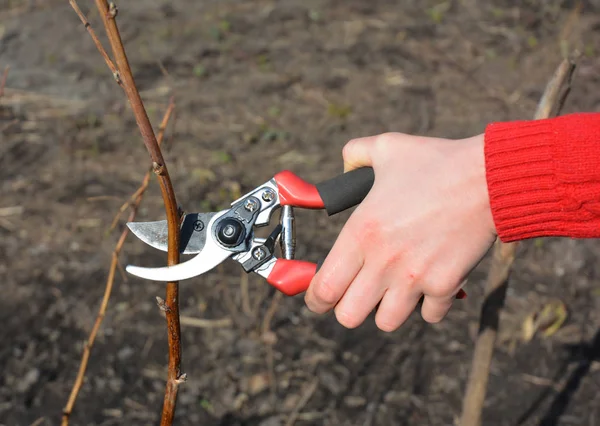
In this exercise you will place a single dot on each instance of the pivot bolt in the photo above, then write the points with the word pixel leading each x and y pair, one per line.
pixel 230 232
pixel 268 195
pixel 251 204
pixel 259 253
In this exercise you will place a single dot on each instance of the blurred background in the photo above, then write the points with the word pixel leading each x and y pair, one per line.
pixel 262 86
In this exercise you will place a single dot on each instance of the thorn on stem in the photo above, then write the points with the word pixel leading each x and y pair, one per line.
pixel 112 10
pixel 158 169
pixel 181 379
pixel 162 305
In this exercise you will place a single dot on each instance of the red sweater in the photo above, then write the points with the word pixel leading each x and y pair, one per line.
pixel 544 177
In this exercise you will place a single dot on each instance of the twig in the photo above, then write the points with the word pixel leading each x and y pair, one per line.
pixel 266 324
pixel 101 198
pixel 240 321
pixel 131 200
pixel 306 396
pixel 122 272
pixel 499 273
pixel 11 211
pixel 108 12
pixel 206 323
pixel 101 313
pixel 97 42
pixel 107 292
pixel 269 339
pixel 245 293
pixel 38 422
pixel 3 81
pixel 146 181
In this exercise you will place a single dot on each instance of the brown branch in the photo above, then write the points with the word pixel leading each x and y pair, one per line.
pixel 499 273
pixel 101 313
pixel 108 13
pixel 101 49
pixel 245 293
pixel 3 81
pixel 306 396
pixel 109 284
pixel 146 181
pixel 269 338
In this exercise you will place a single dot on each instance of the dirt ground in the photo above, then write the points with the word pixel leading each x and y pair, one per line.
pixel 263 86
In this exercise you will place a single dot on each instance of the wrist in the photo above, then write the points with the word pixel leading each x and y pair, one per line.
pixel 477 164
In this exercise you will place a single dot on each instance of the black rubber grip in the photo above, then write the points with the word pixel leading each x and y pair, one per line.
pixel 346 190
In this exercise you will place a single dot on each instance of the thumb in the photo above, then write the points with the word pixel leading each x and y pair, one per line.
pixel 357 153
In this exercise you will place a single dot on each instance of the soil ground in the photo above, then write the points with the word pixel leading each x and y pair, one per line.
pixel 263 86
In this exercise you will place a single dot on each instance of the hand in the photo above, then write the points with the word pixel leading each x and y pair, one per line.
pixel 425 224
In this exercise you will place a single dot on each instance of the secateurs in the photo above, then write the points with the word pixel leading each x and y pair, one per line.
pixel 229 233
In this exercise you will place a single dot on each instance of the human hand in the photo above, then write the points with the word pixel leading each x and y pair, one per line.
pixel 425 224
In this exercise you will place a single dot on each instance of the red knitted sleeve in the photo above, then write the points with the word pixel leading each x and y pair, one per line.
pixel 544 177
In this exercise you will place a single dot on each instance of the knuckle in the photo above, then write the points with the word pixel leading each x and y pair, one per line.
pixel 348 149
pixel 432 318
pixel 324 292
pixel 386 325
pixel 346 319
pixel 383 140
pixel 440 286
pixel 438 290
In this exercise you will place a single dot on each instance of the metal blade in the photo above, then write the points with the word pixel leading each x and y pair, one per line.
pixel 211 256
pixel 193 232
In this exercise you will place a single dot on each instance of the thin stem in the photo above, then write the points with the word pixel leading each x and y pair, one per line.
pixel 109 285
pixel 3 81
pixel 146 180
pixel 499 273
pixel 108 13
pixel 90 30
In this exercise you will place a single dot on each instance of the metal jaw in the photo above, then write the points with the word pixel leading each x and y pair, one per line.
pixel 230 233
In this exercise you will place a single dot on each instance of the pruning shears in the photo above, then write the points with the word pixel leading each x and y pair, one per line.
pixel 216 236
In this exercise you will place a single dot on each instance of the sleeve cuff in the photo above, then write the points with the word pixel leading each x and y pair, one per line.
pixel 543 177
pixel 522 182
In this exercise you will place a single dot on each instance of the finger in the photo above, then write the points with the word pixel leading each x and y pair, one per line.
pixel 339 269
pixel 357 153
pixel 365 292
pixel 398 303
pixel 434 309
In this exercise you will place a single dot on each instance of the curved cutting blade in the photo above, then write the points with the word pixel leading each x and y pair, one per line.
pixel 212 255
pixel 193 232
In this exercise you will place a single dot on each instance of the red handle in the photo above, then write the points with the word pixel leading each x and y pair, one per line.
pixel 292 277
pixel 296 192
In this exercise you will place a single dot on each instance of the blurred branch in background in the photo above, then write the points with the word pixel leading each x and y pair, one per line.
pixel 502 260
pixel 136 199
pixel 3 81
